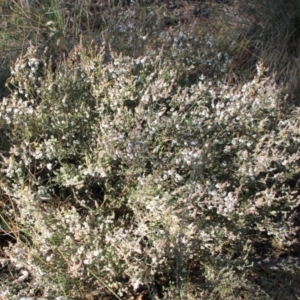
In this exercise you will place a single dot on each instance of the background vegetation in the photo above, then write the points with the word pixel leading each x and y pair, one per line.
pixel 149 150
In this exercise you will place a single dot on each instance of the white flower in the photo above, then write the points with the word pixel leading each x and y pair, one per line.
pixel 87 261
pixel 136 284
pixel 80 250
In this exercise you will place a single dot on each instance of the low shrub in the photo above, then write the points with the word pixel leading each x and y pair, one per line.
pixel 130 178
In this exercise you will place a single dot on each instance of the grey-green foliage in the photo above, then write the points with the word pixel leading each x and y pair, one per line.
pixel 155 178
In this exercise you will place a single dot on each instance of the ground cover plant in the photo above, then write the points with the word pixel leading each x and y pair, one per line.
pixel 143 172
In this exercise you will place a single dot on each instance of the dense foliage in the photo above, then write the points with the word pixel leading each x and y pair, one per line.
pixel 128 178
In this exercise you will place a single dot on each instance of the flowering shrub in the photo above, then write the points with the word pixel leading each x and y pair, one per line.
pixel 126 179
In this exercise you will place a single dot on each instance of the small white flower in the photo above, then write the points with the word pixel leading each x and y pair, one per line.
pixel 87 261
pixel 136 284
pixel 49 258
pixel 80 250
